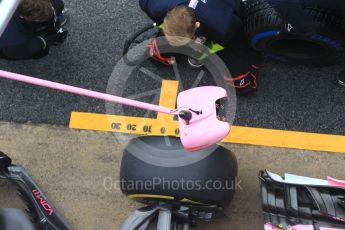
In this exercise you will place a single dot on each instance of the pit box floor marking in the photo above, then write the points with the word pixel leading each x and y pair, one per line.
pixel 165 125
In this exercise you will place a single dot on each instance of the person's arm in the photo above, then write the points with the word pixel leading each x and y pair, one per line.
pixel 58 5
pixel 218 29
pixel 292 12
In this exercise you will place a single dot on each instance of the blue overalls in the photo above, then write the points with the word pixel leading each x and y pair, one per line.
pixel 20 42
pixel 219 18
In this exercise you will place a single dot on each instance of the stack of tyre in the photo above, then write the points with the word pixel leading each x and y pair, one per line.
pixel 269 34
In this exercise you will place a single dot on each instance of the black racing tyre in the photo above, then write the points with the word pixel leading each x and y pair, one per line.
pixel 326 46
pixel 5 161
pixel 210 181
pixel 12 219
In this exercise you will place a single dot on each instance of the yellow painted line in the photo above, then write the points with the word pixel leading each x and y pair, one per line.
pixel 238 135
pixel 122 124
pixel 287 139
pixel 164 125
pixel 168 97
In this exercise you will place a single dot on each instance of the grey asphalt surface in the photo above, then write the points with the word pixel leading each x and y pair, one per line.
pixel 289 97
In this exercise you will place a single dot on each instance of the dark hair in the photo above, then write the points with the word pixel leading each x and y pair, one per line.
pixel 35 10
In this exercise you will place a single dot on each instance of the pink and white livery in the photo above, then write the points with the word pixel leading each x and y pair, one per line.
pixel 295 202
pixel 196 109
pixel 299 227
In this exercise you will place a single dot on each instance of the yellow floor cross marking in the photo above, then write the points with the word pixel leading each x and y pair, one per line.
pixel 168 98
pixel 122 124
pixel 162 125
pixel 165 125
pixel 287 139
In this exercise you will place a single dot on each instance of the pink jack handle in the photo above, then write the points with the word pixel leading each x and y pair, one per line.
pixel 7 9
pixel 199 125
pixel 83 92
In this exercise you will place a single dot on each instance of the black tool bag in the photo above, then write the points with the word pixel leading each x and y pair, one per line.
pixel 286 204
pixel 243 63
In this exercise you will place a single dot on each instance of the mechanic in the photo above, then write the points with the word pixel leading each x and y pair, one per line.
pixel 35 26
pixel 302 23
pixel 217 20
pixel 209 20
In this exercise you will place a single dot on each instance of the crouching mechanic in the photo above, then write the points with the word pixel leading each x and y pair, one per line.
pixel 208 21
pixel 35 26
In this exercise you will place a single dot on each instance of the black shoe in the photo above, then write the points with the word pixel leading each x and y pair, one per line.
pixel 198 48
pixel 341 78
pixel 62 19
pixel 194 63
